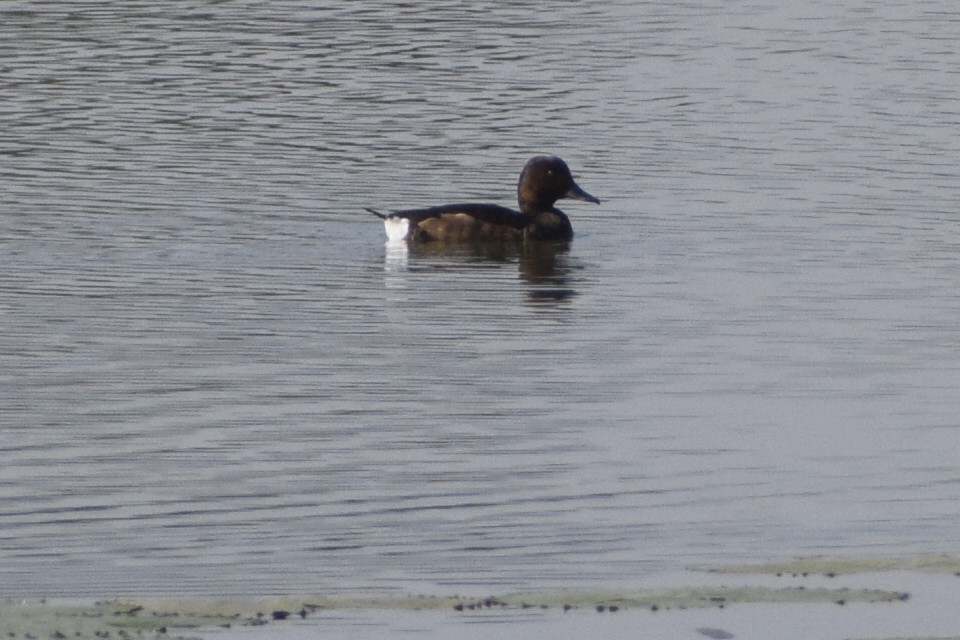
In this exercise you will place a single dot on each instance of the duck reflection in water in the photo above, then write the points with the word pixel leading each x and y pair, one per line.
pixel 545 266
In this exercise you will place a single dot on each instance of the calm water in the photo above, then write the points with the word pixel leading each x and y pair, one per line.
pixel 217 380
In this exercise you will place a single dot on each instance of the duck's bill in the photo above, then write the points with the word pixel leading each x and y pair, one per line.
pixel 576 193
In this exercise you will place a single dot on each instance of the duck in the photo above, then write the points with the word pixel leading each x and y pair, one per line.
pixel 544 180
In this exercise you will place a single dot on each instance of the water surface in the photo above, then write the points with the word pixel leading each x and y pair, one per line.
pixel 216 379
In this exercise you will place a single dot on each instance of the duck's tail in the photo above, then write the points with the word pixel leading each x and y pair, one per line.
pixel 397 228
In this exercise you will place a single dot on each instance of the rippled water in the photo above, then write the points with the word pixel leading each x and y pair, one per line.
pixel 217 380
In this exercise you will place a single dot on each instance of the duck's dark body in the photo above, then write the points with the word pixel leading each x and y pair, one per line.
pixel 459 223
pixel 544 180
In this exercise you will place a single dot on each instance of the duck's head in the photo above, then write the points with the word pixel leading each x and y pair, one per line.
pixel 543 181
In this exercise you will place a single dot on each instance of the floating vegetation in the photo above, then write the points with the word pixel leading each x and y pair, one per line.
pixel 181 620
pixel 687 598
pixel 833 566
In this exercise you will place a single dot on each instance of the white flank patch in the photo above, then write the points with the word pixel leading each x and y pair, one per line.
pixel 397 229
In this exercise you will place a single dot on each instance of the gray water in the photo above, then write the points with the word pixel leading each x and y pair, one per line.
pixel 217 380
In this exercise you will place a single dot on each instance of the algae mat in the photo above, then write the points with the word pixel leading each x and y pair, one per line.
pixel 196 618
pixel 172 619
pixel 833 566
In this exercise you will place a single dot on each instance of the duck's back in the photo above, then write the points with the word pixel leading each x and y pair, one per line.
pixel 463 222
